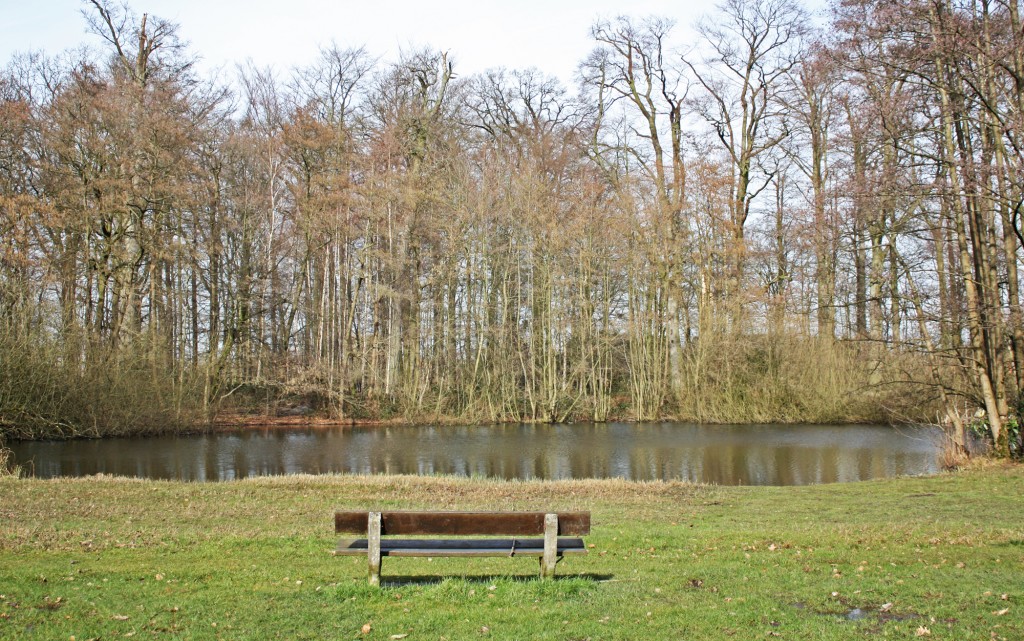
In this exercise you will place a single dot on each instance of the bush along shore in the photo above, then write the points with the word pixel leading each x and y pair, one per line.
pixel 939 557
pixel 45 393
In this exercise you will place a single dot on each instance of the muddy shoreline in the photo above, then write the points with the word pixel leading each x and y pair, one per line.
pixel 227 422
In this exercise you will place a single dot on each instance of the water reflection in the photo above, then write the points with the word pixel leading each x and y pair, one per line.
pixel 723 454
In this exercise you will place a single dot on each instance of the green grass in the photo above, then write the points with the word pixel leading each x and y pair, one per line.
pixel 106 558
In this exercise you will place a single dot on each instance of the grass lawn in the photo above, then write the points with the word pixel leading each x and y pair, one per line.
pixel 106 558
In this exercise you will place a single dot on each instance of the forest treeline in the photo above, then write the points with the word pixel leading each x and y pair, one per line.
pixel 767 222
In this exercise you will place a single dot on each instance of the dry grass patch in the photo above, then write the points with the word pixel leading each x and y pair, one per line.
pixel 104 512
pixel 7 466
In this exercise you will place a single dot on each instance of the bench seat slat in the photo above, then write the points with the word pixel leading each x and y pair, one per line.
pixel 460 547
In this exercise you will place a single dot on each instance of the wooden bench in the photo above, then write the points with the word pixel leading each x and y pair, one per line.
pixel 560 532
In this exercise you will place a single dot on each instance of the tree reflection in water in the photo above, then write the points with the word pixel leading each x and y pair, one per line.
pixel 722 454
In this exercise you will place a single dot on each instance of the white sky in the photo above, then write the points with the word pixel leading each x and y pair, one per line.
pixel 552 35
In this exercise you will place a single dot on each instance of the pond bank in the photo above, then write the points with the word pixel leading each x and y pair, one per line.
pixel 237 421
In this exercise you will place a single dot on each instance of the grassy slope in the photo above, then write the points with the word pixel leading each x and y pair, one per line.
pixel 109 558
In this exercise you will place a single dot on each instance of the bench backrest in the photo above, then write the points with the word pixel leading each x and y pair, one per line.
pixel 463 523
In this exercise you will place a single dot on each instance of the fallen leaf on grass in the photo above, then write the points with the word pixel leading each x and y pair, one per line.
pixel 119 617
pixel 885 607
pixel 398 636
pixel 366 628
pixel 923 632
pixel 1000 613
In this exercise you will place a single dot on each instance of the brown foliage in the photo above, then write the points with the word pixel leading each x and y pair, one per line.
pixel 765 229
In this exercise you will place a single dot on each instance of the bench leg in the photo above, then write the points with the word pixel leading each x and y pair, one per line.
pixel 373 547
pixel 547 562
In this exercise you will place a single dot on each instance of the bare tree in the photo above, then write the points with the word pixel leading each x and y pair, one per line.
pixel 751 46
pixel 633 67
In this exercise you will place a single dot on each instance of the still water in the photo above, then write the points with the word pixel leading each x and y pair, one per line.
pixel 722 454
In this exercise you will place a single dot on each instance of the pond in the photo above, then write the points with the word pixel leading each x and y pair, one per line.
pixel 722 454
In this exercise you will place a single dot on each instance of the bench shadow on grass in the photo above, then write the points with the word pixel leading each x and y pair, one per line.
pixel 485 579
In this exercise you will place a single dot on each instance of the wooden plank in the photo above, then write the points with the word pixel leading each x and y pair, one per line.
pixel 460 547
pixel 373 547
pixel 463 523
pixel 356 545
pixel 463 552
pixel 354 522
pixel 550 556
